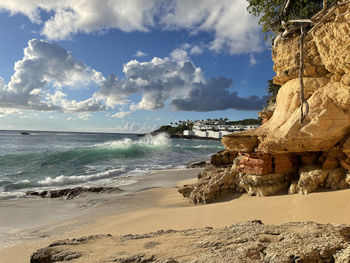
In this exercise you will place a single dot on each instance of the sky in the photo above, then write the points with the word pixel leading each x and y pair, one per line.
pixel 129 65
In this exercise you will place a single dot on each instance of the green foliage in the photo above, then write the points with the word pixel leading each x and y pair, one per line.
pixel 272 90
pixel 173 130
pixel 246 122
pixel 270 12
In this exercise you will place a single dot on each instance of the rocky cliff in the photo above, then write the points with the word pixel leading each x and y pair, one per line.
pixel 284 154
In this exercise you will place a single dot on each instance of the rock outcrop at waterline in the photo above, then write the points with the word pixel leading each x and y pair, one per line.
pixel 243 242
pixel 284 154
pixel 70 193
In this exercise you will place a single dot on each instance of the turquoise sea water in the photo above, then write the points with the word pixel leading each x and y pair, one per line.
pixel 47 160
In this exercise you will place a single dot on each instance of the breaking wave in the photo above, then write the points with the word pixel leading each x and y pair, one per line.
pixel 63 180
pixel 51 160
pixel 119 149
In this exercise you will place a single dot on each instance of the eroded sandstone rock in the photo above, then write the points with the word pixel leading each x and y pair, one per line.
pixel 213 183
pixel 51 255
pixel 256 163
pixel 223 157
pixel 243 242
pixel 314 177
pixel 240 141
pixel 284 153
pixel 266 185
pixel 326 81
pixel 196 164
pixel 267 113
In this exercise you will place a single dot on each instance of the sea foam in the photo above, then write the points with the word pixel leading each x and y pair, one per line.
pixel 161 139
pixel 60 180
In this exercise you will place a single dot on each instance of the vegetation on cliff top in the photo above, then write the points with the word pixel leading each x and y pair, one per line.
pixel 173 130
pixel 271 13
pixel 245 122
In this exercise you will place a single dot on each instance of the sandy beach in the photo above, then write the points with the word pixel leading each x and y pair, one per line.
pixel 150 205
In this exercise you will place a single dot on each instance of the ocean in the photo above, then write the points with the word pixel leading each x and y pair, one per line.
pixel 53 160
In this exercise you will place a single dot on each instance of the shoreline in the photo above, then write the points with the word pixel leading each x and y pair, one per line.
pixel 155 204
pixel 27 219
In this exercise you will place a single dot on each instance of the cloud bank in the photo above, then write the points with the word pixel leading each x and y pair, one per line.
pixel 46 65
pixel 233 29
pixel 47 69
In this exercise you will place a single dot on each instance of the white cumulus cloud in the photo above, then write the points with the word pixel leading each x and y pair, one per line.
pixel 233 29
pixel 174 80
pixel 156 81
pixel 43 65
pixel 47 71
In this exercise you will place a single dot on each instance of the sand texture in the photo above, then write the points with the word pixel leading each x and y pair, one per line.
pixel 146 211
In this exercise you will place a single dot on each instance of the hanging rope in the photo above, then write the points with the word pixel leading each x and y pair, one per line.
pixel 284 13
pixel 303 102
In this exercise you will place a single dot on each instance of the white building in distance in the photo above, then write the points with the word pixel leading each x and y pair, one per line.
pixel 212 130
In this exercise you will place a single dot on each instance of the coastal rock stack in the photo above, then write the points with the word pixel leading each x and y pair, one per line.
pixel 284 155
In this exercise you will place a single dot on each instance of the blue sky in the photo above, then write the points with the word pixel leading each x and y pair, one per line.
pixel 128 66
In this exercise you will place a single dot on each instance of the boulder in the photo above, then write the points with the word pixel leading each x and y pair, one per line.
pixel 186 190
pixel 240 141
pixel 314 177
pixel 266 185
pixel 311 178
pixel 223 157
pixel 198 164
pixel 213 183
pixel 336 179
pixel 51 255
pixel 70 193
pixel 326 124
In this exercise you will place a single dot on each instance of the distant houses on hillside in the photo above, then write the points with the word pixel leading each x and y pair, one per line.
pixel 215 129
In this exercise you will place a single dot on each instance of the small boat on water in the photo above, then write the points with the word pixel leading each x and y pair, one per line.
pixel 25 133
